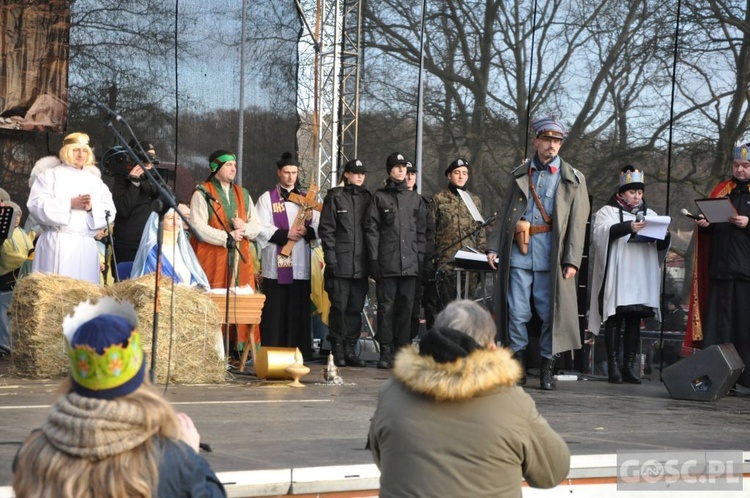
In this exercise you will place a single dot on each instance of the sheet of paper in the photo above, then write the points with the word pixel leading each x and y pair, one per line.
pixel 470 204
pixel 716 210
pixel 656 227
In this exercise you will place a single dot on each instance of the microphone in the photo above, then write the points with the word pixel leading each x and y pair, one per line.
pixel 200 188
pixel 106 110
pixel 687 213
pixel 639 217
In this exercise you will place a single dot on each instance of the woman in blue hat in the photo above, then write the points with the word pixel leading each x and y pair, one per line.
pixel 111 434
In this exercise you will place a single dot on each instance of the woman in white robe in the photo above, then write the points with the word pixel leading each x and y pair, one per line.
pixel 179 261
pixel 70 202
pixel 625 284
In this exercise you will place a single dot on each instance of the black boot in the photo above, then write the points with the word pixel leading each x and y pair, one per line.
pixel 337 348
pixel 547 374
pixel 352 360
pixel 386 356
pixel 520 357
pixel 612 343
pixel 631 368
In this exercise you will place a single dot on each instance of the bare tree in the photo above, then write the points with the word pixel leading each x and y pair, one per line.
pixel 603 67
pixel 715 52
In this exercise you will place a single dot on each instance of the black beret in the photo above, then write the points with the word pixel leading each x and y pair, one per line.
pixel 456 164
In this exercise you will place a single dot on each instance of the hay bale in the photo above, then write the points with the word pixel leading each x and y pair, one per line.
pixel 41 301
pixel 39 304
pixel 194 359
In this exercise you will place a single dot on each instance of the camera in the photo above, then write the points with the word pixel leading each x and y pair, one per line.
pixel 117 162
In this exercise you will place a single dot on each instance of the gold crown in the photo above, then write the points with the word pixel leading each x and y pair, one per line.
pixel 628 177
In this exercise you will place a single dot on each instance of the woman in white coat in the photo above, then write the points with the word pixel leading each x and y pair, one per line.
pixel 625 285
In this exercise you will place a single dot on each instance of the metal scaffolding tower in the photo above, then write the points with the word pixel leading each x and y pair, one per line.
pixel 335 37
pixel 350 65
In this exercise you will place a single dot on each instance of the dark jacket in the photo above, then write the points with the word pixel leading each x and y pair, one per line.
pixel 183 472
pixel 462 429
pixel 341 231
pixel 134 204
pixel 730 244
pixel 395 231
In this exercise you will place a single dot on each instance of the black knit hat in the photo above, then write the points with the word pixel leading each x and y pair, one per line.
pixel 394 159
pixel 447 345
pixel 287 159
pixel 458 163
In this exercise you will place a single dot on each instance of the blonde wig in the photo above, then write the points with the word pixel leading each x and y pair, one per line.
pixel 75 141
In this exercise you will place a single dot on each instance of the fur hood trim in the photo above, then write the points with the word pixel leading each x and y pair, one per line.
pixel 480 372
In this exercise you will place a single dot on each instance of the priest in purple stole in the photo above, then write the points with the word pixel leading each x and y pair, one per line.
pixel 286 279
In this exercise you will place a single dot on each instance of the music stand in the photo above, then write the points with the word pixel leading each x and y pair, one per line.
pixel 6 222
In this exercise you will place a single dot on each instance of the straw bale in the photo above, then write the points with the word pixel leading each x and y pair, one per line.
pixel 40 301
pixel 39 304
pixel 194 359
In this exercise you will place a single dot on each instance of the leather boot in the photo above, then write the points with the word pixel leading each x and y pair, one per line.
pixel 352 360
pixel 612 343
pixel 547 374
pixel 631 368
pixel 520 357
pixel 386 356
pixel 337 348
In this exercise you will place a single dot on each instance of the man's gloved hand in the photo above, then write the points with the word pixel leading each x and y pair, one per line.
pixel 330 271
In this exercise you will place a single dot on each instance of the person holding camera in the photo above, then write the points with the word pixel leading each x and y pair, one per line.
pixel 134 196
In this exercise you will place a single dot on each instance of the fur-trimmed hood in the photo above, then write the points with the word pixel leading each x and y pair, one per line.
pixel 482 371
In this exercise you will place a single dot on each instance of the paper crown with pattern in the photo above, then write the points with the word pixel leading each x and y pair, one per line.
pixel 104 349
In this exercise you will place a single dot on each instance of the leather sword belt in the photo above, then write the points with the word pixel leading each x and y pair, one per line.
pixel 535 229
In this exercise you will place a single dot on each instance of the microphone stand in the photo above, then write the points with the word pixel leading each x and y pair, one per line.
pixel 166 200
pixel 231 248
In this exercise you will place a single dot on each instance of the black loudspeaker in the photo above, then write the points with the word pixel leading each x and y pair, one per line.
pixel 706 376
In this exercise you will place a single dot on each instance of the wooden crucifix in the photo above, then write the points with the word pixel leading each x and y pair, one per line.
pixel 306 204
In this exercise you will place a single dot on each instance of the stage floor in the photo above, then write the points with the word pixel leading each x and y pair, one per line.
pixel 257 425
